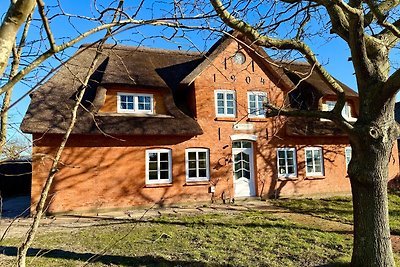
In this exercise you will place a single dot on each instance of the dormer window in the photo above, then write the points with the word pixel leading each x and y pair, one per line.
pixel 346 111
pixel 135 103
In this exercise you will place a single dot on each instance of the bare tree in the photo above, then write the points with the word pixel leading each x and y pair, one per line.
pixel 371 30
pixel 28 56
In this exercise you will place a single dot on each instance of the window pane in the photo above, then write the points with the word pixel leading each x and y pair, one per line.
pixel 229 96
pixel 281 154
pixel 130 105
pixel 153 166
pixel 246 166
pixel 152 156
pixel 153 175
pixel 163 165
pixel 192 173
pixel 246 144
pixel 202 155
pixel 310 168
pixel 309 161
pixel 308 154
pixel 290 169
pixel 281 162
pixel 229 111
pixel 246 174
pixel 282 170
pixel 290 154
pixel 220 96
pixel 202 173
pixel 236 144
pixel 202 164
pixel 164 175
pixel 252 98
pixel 123 106
pixel 318 168
pixel 130 98
pixel 192 155
pixel 163 156
pixel 123 98
pixel 192 164
pixel 237 166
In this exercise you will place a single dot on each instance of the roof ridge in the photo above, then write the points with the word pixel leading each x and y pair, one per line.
pixel 144 49
pixel 288 62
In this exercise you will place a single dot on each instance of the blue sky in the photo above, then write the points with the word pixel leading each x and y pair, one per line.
pixel 333 54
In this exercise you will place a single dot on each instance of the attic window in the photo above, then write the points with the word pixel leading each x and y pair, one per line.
pixel 135 103
pixel 346 111
pixel 239 58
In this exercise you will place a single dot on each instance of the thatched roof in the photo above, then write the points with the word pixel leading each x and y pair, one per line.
pixel 164 70
pixel 51 105
pixel 301 70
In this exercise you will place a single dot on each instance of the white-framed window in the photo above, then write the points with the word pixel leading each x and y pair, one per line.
pixel 314 161
pixel 346 111
pixel 197 164
pixel 255 103
pixel 134 103
pixel 225 103
pixel 347 155
pixel 287 165
pixel 158 166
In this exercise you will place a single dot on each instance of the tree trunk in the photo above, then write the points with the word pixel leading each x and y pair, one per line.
pixel 368 171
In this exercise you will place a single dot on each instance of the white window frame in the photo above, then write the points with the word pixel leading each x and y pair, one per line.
pixel 159 181
pixel 197 178
pixel 346 111
pixel 225 92
pixel 346 149
pixel 286 174
pixel 135 103
pixel 314 173
pixel 258 109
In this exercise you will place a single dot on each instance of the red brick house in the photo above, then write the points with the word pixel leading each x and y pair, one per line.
pixel 161 126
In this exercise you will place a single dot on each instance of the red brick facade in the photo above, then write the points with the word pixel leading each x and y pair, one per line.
pixel 100 172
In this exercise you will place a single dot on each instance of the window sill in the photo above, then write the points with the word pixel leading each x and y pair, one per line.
pixel 320 177
pixel 158 185
pixel 194 183
pixel 256 119
pixel 225 119
pixel 288 178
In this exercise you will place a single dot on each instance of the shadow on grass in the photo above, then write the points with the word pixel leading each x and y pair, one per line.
pixel 106 259
pixel 270 223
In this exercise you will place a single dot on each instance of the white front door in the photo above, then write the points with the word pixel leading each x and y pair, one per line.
pixel 242 154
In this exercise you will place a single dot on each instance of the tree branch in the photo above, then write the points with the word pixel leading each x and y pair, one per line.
pixel 382 8
pixel 271 111
pixel 46 24
pixel 269 42
pixel 50 52
pixel 16 15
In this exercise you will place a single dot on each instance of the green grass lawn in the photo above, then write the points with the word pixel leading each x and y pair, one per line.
pixel 254 238
pixel 248 238
pixel 339 209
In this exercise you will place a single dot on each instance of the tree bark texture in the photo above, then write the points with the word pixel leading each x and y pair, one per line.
pixel 16 15
pixel 368 170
